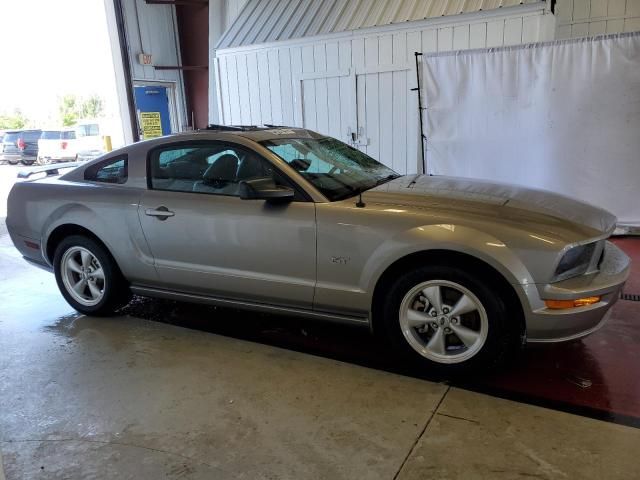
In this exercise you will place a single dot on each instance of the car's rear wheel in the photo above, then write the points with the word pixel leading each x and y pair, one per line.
pixel 88 277
pixel 446 320
pixel 10 162
pixel 27 162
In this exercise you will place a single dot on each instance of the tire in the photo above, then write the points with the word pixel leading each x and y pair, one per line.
pixel 476 340
pixel 27 162
pixel 12 163
pixel 104 291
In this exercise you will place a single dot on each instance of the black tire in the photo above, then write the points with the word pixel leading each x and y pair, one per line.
pixel 502 335
pixel 27 162
pixel 116 293
pixel 12 163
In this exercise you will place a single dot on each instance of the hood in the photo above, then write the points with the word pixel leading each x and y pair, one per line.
pixel 494 198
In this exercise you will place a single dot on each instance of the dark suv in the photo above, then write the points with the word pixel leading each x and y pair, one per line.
pixel 20 146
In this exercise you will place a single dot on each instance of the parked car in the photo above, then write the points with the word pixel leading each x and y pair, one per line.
pixel 90 142
pixel 454 273
pixel 57 146
pixel 20 146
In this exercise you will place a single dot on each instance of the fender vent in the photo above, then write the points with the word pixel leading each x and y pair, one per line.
pixel 630 297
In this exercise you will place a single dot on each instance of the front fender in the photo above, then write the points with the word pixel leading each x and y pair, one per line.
pixel 455 238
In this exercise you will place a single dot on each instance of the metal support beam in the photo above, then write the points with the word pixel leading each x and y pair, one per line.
pixel 194 3
pixel 181 67
pixel 126 65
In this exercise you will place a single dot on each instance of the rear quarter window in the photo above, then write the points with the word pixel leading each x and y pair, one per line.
pixel 31 136
pixel 112 170
pixel 50 135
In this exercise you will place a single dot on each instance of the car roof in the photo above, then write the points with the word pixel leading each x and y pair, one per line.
pixel 255 133
pixel 23 130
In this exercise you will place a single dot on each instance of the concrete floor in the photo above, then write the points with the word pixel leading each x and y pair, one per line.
pixel 124 397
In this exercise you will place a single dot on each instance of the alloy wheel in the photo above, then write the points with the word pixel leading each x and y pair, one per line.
pixel 83 276
pixel 443 321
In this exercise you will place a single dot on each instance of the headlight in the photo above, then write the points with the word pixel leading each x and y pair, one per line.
pixel 575 262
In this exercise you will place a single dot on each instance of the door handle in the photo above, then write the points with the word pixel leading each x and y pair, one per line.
pixel 161 213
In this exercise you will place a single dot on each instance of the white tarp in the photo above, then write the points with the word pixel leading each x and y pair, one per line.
pixel 562 116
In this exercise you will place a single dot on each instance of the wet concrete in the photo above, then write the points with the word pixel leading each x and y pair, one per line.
pixel 170 390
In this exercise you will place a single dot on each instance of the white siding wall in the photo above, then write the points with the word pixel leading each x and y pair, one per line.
pixel 357 82
pixel 580 18
pixel 152 29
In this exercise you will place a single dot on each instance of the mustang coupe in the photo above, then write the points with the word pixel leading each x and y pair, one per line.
pixel 454 273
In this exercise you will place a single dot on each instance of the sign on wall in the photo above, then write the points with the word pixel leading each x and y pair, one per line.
pixel 151 125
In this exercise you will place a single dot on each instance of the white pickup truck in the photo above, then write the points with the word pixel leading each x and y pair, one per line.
pixel 57 146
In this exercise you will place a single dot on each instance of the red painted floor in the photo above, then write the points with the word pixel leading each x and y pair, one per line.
pixel 600 372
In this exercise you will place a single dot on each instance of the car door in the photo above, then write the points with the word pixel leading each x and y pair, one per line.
pixel 206 239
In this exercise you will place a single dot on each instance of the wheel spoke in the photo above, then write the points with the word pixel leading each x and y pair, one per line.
pixel 93 288
pixel 434 296
pixel 466 335
pixel 436 342
pixel 416 318
pixel 98 274
pixel 464 305
pixel 74 266
pixel 86 258
pixel 80 286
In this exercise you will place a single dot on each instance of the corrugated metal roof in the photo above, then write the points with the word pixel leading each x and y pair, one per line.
pixel 263 21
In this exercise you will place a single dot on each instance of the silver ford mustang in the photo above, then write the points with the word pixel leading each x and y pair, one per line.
pixel 454 273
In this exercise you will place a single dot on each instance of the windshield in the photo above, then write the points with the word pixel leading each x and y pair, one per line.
pixel 336 169
pixel 88 130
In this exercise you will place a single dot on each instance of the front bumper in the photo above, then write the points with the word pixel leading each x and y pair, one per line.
pixel 549 325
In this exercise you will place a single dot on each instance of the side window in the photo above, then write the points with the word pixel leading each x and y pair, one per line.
pixel 215 169
pixel 108 171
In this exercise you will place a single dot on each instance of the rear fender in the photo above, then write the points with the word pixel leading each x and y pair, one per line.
pixel 73 214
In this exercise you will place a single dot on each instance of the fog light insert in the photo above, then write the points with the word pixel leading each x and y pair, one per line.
pixel 579 302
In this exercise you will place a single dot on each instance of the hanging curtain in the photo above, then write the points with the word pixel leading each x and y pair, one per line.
pixel 562 116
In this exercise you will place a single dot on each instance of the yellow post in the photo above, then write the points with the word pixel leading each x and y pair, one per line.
pixel 107 143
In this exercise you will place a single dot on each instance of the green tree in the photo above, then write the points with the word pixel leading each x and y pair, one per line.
pixel 73 108
pixel 12 121
pixel 92 107
pixel 68 108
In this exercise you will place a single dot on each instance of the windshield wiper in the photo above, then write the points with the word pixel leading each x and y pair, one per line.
pixel 386 179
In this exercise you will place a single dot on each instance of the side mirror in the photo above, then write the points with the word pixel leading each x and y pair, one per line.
pixel 265 189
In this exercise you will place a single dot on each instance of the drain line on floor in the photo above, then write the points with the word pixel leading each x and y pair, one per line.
pixel 426 425
pixel 631 297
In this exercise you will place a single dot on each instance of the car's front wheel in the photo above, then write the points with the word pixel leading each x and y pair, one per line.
pixel 447 320
pixel 88 277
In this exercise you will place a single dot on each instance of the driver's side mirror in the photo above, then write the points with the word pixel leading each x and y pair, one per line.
pixel 265 189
